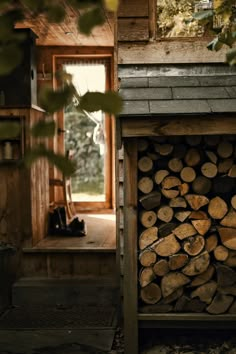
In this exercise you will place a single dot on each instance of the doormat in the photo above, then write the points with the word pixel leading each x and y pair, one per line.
pixel 32 317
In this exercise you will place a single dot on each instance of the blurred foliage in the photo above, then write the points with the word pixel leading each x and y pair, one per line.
pixel 221 19
pixel 89 173
pixel 91 14
pixel 173 18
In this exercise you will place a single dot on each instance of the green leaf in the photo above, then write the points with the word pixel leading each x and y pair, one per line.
pixel 90 19
pixel 216 44
pixel 9 130
pixel 55 14
pixel 231 57
pixel 109 102
pixel 203 15
pixel 10 57
pixel 44 129
pixel 112 5
pixel 66 166
pixel 52 101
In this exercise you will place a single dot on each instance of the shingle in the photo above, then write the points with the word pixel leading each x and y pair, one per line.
pixel 199 92
pixel 220 106
pixel 231 91
pixel 173 81
pixel 134 82
pixel 179 106
pixel 220 80
pixel 146 93
pixel 137 107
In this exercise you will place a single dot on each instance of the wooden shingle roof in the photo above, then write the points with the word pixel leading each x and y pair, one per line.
pixel 156 90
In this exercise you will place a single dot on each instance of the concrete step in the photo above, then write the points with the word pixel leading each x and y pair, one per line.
pixel 66 292
pixel 67 263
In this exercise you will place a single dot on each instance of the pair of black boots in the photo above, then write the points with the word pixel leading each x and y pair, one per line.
pixel 57 224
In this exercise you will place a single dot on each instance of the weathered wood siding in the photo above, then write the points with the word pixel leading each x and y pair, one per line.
pixel 24 192
pixel 133 21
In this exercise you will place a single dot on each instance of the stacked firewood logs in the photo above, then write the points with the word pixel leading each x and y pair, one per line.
pixel 187 224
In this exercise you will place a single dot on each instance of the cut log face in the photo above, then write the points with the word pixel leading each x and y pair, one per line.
pixel 165 213
pixel 151 294
pixel 145 164
pixel 160 175
pixel 170 193
pixel 175 165
pixel 161 267
pixel 164 149
pixel 184 230
pixel 201 185
pixel 205 292
pixel 147 257
pixel 196 201
pixel 145 185
pixel 230 219
pixel 178 202
pixel 217 208
pixel 225 165
pixel 211 243
pixel 174 296
pixel 202 226
pixel 233 201
pixel 225 275
pixel 183 189
pixel 198 215
pixel 148 218
pixel 227 290
pixel 212 156
pixel 209 170
pixel 166 246
pixel 221 253
pixel 231 260
pixel 232 171
pixel 194 245
pixel 182 215
pixel 192 157
pixel 203 277
pixel 147 237
pixel 188 174
pixel 170 182
pixel 228 237
pixel 225 149
pixel 177 261
pixel 220 304
pixel 146 276
pixel 197 265
pixel 172 281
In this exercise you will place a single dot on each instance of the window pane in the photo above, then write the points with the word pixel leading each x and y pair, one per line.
pixel 173 17
pixel 85 135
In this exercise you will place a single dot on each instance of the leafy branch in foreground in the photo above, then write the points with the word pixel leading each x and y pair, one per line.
pixel 221 20
pixel 91 14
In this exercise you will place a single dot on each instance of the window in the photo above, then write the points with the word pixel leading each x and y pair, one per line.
pixel 88 135
pixel 173 18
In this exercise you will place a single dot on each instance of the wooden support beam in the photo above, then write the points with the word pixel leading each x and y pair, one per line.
pixel 130 248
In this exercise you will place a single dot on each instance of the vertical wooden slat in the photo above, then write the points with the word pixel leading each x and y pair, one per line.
pixel 130 247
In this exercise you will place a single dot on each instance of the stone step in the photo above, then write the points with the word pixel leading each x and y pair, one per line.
pixel 65 292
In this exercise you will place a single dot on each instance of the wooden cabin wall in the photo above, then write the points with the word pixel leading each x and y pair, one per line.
pixel 24 198
pixel 138 41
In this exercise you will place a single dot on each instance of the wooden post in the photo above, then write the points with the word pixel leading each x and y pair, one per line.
pixel 130 248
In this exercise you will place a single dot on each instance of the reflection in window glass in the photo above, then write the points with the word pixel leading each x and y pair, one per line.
pixel 85 135
pixel 173 17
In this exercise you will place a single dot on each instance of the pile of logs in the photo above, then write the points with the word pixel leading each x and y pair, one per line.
pixel 187 224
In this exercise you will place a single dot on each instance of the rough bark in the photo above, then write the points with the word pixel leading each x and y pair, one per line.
pixel 151 200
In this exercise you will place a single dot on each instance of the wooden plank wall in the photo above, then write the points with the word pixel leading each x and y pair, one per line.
pixel 24 198
pixel 133 20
